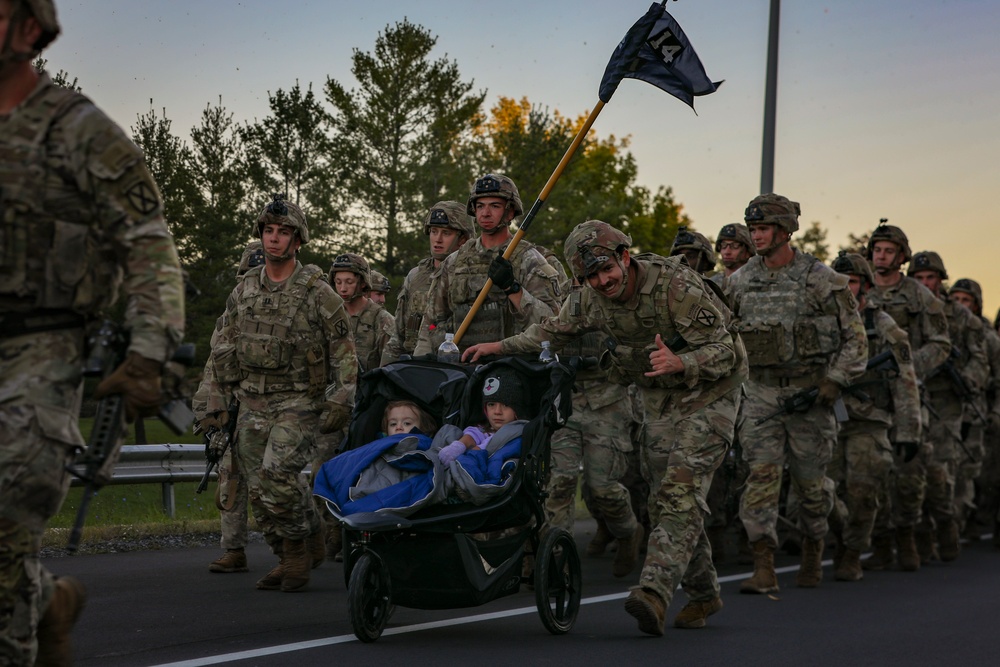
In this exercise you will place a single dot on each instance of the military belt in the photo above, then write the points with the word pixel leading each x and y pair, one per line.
pixel 22 324
pixel 773 378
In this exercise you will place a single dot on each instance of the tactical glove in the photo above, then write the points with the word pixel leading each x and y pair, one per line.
pixel 216 420
pixel 334 418
pixel 137 379
pixel 449 453
pixel 502 274
pixel 829 392
pixel 909 450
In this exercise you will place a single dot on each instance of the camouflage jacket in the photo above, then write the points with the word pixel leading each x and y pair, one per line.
pixel 921 315
pixel 968 353
pixel 410 305
pixel 671 300
pixel 458 281
pixel 372 328
pixel 83 219
pixel 284 340
pixel 798 320
pixel 891 398
pixel 991 398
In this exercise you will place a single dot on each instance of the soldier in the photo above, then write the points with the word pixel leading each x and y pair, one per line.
pixel 968 364
pixel 978 477
pixel 371 324
pixel 690 389
pixel 380 287
pixel 735 249
pixel 231 492
pixel 82 218
pixel 921 315
pixel 447 226
pixel 802 330
pixel 695 248
pixel 525 289
pixel 286 353
pixel 884 397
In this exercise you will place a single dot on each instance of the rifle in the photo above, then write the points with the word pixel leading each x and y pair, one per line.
pixel 960 386
pixel 217 441
pixel 107 349
pixel 801 401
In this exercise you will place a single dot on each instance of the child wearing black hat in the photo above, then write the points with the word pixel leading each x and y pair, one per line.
pixel 503 401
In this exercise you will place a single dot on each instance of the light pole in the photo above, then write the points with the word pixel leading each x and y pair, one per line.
pixel 770 101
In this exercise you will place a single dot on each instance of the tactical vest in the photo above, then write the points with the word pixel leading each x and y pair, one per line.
pixel 278 347
pixel 52 256
pixel 875 383
pixel 414 302
pixel 366 332
pixel 903 305
pixel 492 321
pixel 782 325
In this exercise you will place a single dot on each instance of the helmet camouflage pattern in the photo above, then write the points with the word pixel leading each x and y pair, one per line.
pixel 354 263
pixel 970 287
pixel 284 213
pixel 452 215
pixel 927 260
pixel 44 12
pixel 252 256
pixel 772 209
pixel 687 239
pixel 736 231
pixel 495 185
pixel 380 283
pixel 891 233
pixel 591 245
pixel 851 263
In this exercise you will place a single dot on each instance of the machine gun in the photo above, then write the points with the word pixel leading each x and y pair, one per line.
pixel 95 465
pixel 959 384
pixel 217 441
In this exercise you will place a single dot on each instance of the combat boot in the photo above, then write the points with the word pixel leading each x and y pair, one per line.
pixel 764 580
pixel 881 558
pixel 628 553
pixel 602 538
pixel 272 580
pixel 297 565
pixel 947 538
pixel 811 569
pixel 849 568
pixel 695 614
pixel 648 608
pixel 316 546
pixel 54 647
pixel 234 560
pixel 924 540
pixel 906 545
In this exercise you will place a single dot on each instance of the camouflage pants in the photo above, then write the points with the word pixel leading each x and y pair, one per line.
pixel 40 391
pixel 232 501
pixel 596 440
pixel 967 472
pixel 946 434
pixel 988 483
pixel 276 442
pixel 861 466
pixel 680 454
pixel 805 440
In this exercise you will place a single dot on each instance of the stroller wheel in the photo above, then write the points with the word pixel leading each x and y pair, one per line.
pixel 368 598
pixel 558 581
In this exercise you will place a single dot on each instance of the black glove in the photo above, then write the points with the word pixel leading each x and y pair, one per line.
pixel 502 274
pixel 909 450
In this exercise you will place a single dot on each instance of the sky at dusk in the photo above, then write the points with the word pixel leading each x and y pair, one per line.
pixel 885 109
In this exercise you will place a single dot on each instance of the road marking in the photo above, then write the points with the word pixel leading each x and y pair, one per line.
pixel 418 627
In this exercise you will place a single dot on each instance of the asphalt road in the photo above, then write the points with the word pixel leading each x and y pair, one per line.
pixel 165 608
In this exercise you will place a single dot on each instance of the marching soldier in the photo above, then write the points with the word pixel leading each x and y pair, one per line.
pixel 380 288
pixel 371 324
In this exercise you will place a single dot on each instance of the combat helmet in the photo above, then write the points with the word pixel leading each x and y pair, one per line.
pixel 380 283
pixel 772 209
pixel 354 263
pixel 927 260
pixel 452 215
pixel 687 239
pixel 736 231
pixel 284 213
pixel 851 263
pixel 253 256
pixel 44 12
pixel 970 287
pixel 591 245
pixel 495 185
pixel 891 233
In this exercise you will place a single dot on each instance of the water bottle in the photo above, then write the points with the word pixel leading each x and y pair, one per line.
pixel 546 356
pixel 448 351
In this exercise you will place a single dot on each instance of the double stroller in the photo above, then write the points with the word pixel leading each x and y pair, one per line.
pixel 456 553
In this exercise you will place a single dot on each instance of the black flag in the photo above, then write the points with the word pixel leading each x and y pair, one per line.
pixel 657 51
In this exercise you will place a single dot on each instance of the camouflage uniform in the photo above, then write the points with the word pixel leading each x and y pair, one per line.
pixel 372 328
pixel 83 218
pixel 410 306
pixel 689 416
